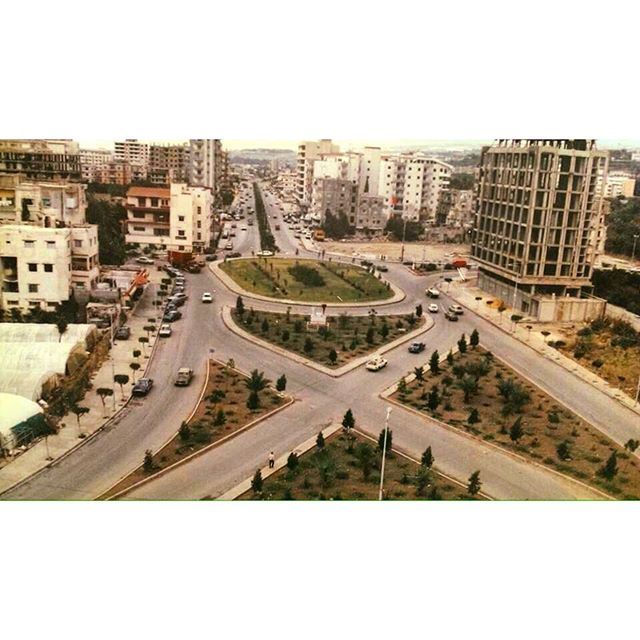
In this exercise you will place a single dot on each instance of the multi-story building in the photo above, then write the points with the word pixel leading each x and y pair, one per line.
pixel 286 182
pixel 168 163
pixel 308 153
pixel 41 159
pixel 205 164
pixel 191 215
pixel 411 184
pixel 537 219
pixel 455 208
pixel 136 155
pixel 371 216
pixel 92 161
pixel 148 216
pixel 335 196
pixel 114 172
pixel 617 184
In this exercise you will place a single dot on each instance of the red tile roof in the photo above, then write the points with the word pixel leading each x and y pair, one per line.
pixel 151 192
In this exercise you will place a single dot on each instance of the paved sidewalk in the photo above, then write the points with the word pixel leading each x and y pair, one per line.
pixel 466 293
pixel 47 451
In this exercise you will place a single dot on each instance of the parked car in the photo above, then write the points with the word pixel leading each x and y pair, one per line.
pixel 229 246
pixel 376 363
pixel 171 315
pixel 165 331
pixel 433 308
pixel 457 309
pixel 382 267
pixel 142 387
pixel 179 296
pixel 207 297
pixel 123 333
pixel 449 315
pixel 264 254
pixel 432 293
pixel 144 260
pixel 211 258
pixel 417 347
pixel 184 377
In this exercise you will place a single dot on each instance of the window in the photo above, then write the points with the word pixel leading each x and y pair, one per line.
pixel 33 288
pixel 33 266
pixel 180 218
pixel 138 228
pixel 29 244
pixel 199 224
pixel 48 268
pixel 199 210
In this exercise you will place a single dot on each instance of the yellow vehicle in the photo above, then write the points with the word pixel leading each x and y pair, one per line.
pixel 319 235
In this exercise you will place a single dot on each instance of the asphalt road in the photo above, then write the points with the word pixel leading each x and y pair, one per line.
pixel 320 400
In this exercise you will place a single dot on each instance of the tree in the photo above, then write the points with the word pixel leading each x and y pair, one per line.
pixel 136 353
pixel 253 402
pixel 240 306
pixel 563 450
pixel 256 381
pixel 256 482
pixel 462 181
pixel 516 431
pixel 121 379
pixel 134 366
pixel 109 217
pixel 631 445
pixel 462 344
pixel 514 396
pixel 221 418
pixel 143 341
pixel 265 326
pixel 418 372
pixel 364 454
pixel 427 458
pixel 309 346
pixel 402 386
pixel 389 440
pixel 474 417
pixel 216 395
pixel 348 421
pixel 78 411
pixel 474 338
pixel 407 230
pixel 285 335
pixel 434 363
pixel 419 311
pixel 370 335
pixel 62 325
pixel 320 441
pixel 450 357
pixel 336 226
pixel 292 461
pixel 333 356
pixel 545 335
pixel 148 464
pixel 474 484
pixel 184 432
pixel 104 392
pixel 281 383
pixel 610 468
pixel 468 385
pixel 384 331
pixel 433 401
pixel 149 328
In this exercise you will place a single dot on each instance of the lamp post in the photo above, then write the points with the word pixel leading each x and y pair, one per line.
pixel 113 367
pixel 384 452
pixel 635 241
pixel 404 233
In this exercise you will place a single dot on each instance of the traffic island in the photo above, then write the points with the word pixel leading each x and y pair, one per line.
pixel 330 341
pixel 231 402
pixel 346 466
pixel 480 395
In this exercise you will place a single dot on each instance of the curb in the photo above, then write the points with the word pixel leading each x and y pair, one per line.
pixel 229 283
pixel 297 358
pixel 200 452
pixel 280 463
pixel 516 456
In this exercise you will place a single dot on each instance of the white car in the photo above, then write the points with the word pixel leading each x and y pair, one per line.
pixel 144 260
pixel 165 331
pixel 376 363
pixel 264 254
pixel 207 297
pixel 433 308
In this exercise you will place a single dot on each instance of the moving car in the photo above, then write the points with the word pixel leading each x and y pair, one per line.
pixel 382 267
pixel 123 333
pixel 376 363
pixel 457 309
pixel 432 293
pixel 165 331
pixel 207 297
pixel 264 254
pixel 172 316
pixel 142 387
pixel 450 315
pixel 433 308
pixel 184 377
pixel 228 246
pixel 417 347
pixel 144 260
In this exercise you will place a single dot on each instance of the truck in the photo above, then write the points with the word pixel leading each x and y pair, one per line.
pixel 184 377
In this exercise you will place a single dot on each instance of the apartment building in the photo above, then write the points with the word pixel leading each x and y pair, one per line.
pixel 168 163
pixel 411 184
pixel 148 216
pixel 537 223
pixel 371 216
pixel 191 216
pixel 114 172
pixel 455 208
pixel 93 160
pixel 617 184
pixel 308 153
pixel 335 196
pixel 41 159
pixel 135 154
pixel 205 164
pixel 286 182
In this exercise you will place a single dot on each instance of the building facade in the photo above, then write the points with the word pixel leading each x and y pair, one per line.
pixel 371 217
pixel 92 161
pixel 308 153
pixel 335 196
pixel 168 163
pixel 41 159
pixel 148 216
pixel 537 219
pixel 205 163
pixel 191 216
pixel 455 208
pixel 617 184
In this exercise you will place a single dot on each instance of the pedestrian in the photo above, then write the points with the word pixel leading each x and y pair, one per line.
pixel 272 460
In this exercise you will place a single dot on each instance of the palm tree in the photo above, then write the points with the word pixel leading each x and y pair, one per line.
pixel 104 392
pixel 134 366
pixel 121 379
pixel 256 382
pixel 79 412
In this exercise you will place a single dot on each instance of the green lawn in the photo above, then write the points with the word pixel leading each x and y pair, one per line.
pixel 341 283
pixel 345 334
pixel 336 472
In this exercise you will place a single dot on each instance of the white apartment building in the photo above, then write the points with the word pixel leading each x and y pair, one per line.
pixel 136 155
pixel 92 161
pixel 191 215
pixel 148 216
pixel 308 153
pixel 411 184
pixel 616 184
pixel 39 267
pixel 205 163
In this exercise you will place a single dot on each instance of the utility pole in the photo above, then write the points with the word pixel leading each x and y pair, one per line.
pixel 384 451
pixel 635 241
pixel 404 233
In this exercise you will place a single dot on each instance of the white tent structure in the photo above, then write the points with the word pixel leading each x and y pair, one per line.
pixel 32 332
pixel 21 420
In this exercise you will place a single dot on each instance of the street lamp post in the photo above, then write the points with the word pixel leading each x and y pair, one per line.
pixel 404 233
pixel 384 452
pixel 635 241
pixel 113 367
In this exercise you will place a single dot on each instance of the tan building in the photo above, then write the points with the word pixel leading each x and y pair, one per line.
pixel 114 172
pixel 617 184
pixel 455 208
pixel 168 163
pixel 147 216
pixel 41 159
pixel 92 161
pixel 191 215
pixel 205 163
pixel 308 153
pixel 538 213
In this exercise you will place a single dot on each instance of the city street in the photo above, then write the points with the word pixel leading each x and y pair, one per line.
pixel 150 422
